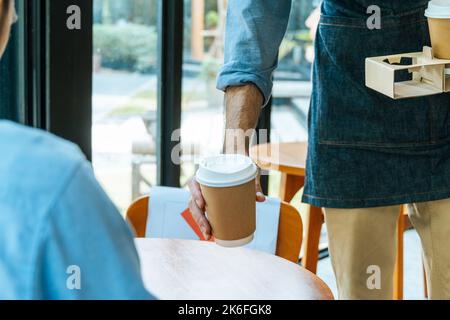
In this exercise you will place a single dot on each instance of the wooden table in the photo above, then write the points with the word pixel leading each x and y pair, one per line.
pixel 290 160
pixel 199 270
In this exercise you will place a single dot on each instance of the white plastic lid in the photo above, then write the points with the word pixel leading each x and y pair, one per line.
pixel 438 9
pixel 226 170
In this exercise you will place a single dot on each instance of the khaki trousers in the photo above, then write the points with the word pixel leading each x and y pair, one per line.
pixel 363 243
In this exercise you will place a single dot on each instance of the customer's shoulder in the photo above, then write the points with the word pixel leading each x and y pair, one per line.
pixel 35 170
pixel 21 143
pixel 36 161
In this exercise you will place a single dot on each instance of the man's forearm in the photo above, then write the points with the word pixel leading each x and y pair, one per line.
pixel 242 109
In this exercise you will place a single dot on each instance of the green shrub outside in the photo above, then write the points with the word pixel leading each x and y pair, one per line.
pixel 130 47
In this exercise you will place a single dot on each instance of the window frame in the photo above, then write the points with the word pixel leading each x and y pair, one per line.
pixel 170 65
pixel 68 68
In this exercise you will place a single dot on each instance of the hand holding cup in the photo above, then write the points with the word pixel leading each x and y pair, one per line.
pixel 230 184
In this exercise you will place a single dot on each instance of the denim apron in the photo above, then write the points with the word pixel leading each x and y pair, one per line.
pixel 366 149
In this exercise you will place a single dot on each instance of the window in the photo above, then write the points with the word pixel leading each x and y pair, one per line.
pixel 202 104
pixel 292 88
pixel 292 80
pixel 124 114
pixel 137 71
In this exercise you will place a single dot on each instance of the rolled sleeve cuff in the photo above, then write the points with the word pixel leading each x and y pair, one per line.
pixel 229 78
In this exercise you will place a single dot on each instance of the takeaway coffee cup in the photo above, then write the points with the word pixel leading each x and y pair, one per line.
pixel 228 187
pixel 438 14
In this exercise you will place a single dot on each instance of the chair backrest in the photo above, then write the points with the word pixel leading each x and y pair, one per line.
pixel 290 229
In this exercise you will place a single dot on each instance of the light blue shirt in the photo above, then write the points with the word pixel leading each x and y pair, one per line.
pixel 254 31
pixel 58 229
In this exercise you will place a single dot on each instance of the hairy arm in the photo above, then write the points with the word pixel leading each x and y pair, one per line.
pixel 242 110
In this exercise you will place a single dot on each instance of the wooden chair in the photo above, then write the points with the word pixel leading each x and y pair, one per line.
pixel 290 229
pixel 290 160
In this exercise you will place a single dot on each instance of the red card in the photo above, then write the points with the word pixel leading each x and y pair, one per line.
pixel 187 216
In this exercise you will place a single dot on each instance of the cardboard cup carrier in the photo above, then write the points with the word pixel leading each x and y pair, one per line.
pixel 438 14
pixel 228 187
pixel 429 70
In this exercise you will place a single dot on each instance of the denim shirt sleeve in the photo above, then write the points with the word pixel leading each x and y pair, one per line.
pixel 254 31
